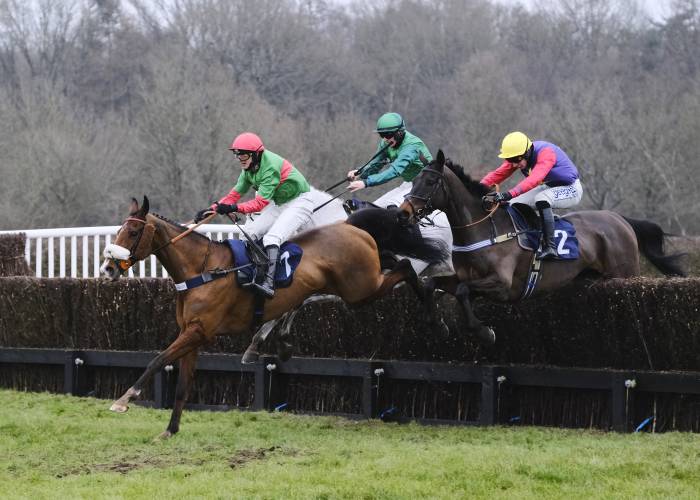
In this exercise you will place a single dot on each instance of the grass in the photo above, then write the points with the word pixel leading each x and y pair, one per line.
pixel 63 447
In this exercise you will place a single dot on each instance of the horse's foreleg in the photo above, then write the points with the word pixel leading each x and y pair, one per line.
pixel 190 339
pixel 182 392
pixel 484 333
pixel 425 291
pixel 401 272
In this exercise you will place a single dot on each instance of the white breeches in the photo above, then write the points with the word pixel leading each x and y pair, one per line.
pixel 557 197
pixel 277 223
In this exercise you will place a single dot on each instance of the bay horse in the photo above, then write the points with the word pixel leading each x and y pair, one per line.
pixel 609 244
pixel 341 259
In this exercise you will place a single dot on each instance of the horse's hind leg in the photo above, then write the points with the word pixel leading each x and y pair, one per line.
pixel 182 392
pixel 251 354
pixel 190 339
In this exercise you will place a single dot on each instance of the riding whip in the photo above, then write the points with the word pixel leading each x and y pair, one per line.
pixel 327 202
pixel 253 244
pixel 359 170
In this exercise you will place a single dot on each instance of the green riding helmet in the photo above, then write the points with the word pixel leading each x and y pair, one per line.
pixel 390 122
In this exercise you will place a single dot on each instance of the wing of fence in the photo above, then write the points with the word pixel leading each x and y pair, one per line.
pixel 76 252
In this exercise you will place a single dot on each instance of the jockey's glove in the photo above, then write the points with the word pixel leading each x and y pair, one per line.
pixel 202 214
pixel 501 197
pixel 224 208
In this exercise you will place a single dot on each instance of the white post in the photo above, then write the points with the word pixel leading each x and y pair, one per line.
pixel 73 256
pixel 39 254
pixel 50 259
pixel 86 255
pixel 28 251
pixel 62 257
pixel 96 256
pixel 154 268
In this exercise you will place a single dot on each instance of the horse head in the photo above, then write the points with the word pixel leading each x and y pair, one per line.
pixel 134 242
pixel 429 192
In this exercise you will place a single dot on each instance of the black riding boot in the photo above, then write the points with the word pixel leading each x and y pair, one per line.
pixel 267 287
pixel 549 249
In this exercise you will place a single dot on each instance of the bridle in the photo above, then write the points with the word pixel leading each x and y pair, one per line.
pixel 428 205
pixel 135 251
pixel 427 199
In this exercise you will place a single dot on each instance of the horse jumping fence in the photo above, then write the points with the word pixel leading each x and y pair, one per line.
pixel 76 252
pixel 376 377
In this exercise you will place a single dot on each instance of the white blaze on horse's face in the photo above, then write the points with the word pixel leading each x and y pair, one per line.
pixel 111 254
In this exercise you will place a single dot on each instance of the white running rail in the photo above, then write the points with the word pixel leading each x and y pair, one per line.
pixel 46 250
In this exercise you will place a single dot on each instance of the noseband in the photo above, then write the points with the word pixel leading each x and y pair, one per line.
pixel 427 199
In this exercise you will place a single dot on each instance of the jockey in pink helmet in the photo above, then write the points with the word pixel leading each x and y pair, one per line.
pixel 283 199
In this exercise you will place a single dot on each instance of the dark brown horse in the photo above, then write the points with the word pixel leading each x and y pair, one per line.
pixel 339 259
pixel 609 244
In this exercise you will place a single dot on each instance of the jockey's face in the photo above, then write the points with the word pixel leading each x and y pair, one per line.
pixel 518 162
pixel 389 138
pixel 245 159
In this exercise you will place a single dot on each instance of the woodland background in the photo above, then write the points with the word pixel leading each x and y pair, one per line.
pixel 101 100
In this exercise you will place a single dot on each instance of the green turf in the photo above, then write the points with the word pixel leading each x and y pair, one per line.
pixel 62 447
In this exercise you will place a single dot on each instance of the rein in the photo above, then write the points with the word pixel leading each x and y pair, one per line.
pixel 132 255
pixel 427 199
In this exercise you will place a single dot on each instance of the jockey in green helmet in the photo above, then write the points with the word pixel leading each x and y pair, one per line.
pixel 399 154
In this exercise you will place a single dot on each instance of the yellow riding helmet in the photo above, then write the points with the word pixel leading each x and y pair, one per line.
pixel 514 144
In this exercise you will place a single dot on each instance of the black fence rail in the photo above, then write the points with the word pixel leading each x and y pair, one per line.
pixel 378 381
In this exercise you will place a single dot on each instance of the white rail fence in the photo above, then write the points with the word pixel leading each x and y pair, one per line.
pixel 76 252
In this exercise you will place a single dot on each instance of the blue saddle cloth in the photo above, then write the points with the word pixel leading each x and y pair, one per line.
pixel 289 258
pixel 564 235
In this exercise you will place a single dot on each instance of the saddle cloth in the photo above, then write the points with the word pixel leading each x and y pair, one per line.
pixel 525 219
pixel 289 258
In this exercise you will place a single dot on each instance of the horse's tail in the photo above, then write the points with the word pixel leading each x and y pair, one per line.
pixel 650 240
pixel 395 235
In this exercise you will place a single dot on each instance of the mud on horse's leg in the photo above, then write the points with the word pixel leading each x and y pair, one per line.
pixel 190 339
pixel 184 382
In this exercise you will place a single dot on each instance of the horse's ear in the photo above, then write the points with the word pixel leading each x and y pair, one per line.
pixel 423 159
pixel 441 157
pixel 133 207
pixel 145 206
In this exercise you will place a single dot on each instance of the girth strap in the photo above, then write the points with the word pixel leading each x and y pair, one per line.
pixel 486 243
pixel 206 277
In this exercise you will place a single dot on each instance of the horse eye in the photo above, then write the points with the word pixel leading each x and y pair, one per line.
pixel 133 234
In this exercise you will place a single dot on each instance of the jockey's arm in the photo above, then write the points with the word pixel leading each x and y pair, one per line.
pixel 376 164
pixel 394 170
pixel 497 176
pixel 546 159
pixel 242 186
pixel 266 189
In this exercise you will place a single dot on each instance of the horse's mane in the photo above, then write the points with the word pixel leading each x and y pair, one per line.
pixel 176 224
pixel 474 187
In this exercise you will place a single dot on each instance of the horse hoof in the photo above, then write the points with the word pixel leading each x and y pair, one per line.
pixel 250 357
pixel 284 351
pixel 163 436
pixel 118 407
pixel 486 335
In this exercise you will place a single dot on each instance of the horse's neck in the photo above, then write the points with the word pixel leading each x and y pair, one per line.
pixel 184 258
pixel 465 209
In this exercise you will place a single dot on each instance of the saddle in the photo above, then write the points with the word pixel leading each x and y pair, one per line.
pixel 526 222
pixel 255 263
